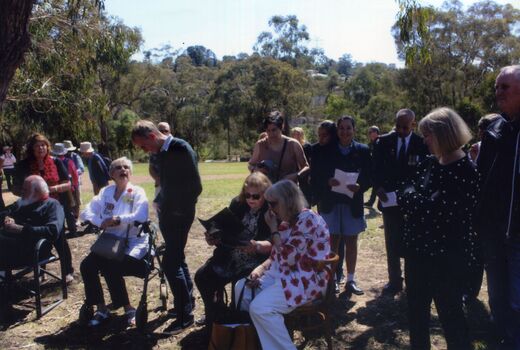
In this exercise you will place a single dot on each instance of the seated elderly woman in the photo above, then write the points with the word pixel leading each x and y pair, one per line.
pixel 289 278
pixel 229 262
pixel 115 209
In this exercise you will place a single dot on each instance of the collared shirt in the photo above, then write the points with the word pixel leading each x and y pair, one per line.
pixel 166 143
pixel 399 143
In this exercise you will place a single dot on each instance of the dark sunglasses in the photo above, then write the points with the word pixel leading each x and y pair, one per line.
pixel 272 204
pixel 119 167
pixel 254 196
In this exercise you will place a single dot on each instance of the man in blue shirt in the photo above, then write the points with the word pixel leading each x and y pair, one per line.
pixel 97 169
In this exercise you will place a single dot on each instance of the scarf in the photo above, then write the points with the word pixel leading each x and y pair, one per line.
pixel 49 172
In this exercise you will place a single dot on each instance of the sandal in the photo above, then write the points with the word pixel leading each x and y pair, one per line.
pixel 99 317
pixel 130 317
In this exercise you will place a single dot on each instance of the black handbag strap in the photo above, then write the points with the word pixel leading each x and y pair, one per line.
pixel 241 296
pixel 280 161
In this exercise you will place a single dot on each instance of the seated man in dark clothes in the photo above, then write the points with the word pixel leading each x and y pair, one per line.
pixel 32 217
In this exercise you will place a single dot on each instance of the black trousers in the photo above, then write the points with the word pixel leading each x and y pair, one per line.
pixel 393 222
pixel 442 281
pixel 9 174
pixel 113 271
pixel 211 287
pixel 175 227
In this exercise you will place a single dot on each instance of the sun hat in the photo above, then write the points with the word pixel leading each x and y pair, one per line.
pixel 86 147
pixel 58 149
pixel 68 145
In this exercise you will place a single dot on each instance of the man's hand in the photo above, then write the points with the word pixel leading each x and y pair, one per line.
pixel 10 226
pixel 251 248
pixel 382 194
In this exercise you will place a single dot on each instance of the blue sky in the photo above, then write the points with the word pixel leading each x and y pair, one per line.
pixel 228 27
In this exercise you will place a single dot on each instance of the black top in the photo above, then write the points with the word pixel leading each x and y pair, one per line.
pixel 43 219
pixel 326 160
pixel 496 163
pixel 438 214
pixel 179 177
pixel 231 262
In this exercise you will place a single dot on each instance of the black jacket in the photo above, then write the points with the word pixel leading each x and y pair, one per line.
pixel 388 173
pixel 496 166
pixel 179 177
pixel 329 158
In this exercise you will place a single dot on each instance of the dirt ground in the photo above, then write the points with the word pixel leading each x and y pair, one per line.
pixel 360 322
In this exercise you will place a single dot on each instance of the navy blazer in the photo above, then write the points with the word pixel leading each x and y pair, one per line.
pixel 388 173
pixel 329 158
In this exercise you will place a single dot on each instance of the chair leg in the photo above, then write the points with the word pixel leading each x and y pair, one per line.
pixel 37 290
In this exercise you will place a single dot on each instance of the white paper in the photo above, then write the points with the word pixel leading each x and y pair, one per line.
pixel 344 179
pixel 392 200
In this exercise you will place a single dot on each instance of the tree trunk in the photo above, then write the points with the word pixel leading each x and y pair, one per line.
pixel 14 39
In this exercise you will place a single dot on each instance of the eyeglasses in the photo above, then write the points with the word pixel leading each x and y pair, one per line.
pixel 272 204
pixel 119 167
pixel 164 131
pixel 254 196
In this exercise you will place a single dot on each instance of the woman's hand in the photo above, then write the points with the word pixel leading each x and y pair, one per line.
pixel 110 222
pixel 271 220
pixel 254 277
pixel 333 182
pixel 251 248
pixel 354 187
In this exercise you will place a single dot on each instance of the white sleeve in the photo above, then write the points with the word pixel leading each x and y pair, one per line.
pixel 139 210
pixel 93 210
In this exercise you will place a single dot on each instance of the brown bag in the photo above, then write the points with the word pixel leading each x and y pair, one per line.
pixel 241 337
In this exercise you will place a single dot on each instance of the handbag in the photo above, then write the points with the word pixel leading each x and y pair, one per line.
pixel 233 329
pixel 110 246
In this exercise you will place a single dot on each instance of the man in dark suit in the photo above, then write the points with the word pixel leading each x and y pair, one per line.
pixel 180 187
pixel 396 156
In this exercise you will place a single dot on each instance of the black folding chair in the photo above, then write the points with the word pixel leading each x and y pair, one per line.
pixel 43 256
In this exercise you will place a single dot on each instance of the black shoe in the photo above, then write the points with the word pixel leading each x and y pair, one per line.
pixel 368 204
pixel 351 287
pixel 392 289
pixel 179 326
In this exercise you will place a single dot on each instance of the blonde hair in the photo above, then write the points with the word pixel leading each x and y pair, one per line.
pixel 289 198
pixel 449 130
pixel 299 131
pixel 256 180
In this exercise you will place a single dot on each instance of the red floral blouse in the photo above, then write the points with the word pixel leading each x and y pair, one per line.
pixel 302 246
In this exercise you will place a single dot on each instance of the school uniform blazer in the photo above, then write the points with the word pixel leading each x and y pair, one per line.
pixel 324 166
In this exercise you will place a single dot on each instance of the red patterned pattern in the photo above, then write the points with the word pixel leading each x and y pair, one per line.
pixel 303 244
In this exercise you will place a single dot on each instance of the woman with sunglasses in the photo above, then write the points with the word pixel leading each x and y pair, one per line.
pixel 115 209
pixel 290 277
pixel 230 264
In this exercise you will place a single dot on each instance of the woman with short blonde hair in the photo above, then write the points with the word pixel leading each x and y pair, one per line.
pixel 440 245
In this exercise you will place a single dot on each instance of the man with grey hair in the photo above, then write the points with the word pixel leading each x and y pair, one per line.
pixel 396 156
pixel 498 216
pixel 34 216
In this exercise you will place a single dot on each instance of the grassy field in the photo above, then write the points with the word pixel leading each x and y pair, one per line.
pixel 369 322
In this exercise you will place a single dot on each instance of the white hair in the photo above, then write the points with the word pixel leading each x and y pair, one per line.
pixel 513 70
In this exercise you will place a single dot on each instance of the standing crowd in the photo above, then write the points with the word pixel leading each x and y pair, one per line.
pixel 449 211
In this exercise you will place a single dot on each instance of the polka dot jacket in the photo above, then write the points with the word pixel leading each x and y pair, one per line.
pixel 438 212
